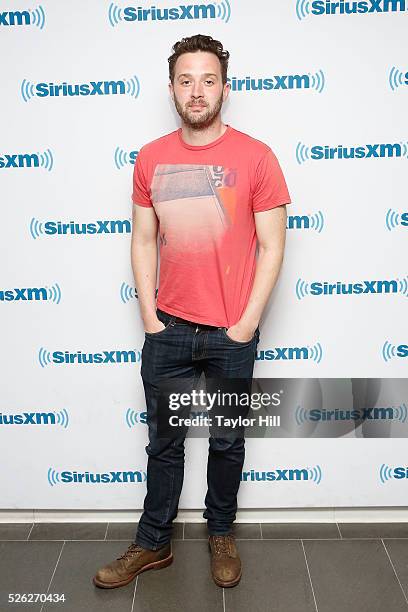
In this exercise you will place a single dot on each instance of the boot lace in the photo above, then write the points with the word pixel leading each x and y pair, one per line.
pixel 132 550
pixel 222 544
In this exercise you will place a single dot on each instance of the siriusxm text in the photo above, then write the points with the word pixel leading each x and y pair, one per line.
pixel 366 286
pixel 283 353
pixel 114 226
pixel 365 151
pixel 181 12
pixel 327 7
pixel 22 160
pixel 111 477
pixel 317 414
pixel 102 357
pixel 24 294
pixel 28 418
pixel 12 18
pixel 92 88
pixel 275 475
pixel 283 81
pixel 400 472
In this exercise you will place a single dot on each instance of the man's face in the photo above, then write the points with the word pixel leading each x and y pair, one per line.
pixel 197 91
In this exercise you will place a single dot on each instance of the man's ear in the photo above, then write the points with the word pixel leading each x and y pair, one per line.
pixel 227 89
pixel 171 90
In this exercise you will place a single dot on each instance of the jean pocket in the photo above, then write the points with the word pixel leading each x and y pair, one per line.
pixel 169 324
pixel 237 342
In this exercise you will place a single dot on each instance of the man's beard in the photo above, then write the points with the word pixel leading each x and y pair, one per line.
pixel 199 121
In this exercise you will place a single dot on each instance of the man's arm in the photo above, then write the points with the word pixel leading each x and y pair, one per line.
pixel 271 233
pixel 144 264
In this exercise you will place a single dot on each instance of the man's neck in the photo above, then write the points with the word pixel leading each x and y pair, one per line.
pixel 204 137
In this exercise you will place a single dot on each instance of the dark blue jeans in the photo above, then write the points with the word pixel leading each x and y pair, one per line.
pixel 184 351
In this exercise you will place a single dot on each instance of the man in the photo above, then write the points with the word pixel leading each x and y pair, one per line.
pixel 212 193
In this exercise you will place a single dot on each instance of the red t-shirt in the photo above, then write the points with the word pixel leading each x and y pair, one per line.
pixel 205 198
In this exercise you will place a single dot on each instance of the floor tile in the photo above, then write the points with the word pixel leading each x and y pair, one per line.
pixel 195 531
pixel 398 552
pixel 127 531
pixel 14 531
pixel 26 567
pixel 298 531
pixel 246 531
pixel 374 530
pixel 68 531
pixel 274 579
pixel 184 586
pixel 353 576
pixel 78 564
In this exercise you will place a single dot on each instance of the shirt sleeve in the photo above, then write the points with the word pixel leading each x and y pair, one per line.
pixel 270 186
pixel 141 190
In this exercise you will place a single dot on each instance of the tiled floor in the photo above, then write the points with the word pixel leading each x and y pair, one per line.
pixel 290 567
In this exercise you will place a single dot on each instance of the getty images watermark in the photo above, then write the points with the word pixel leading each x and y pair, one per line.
pixel 225 406
pixel 206 401
pixel 283 408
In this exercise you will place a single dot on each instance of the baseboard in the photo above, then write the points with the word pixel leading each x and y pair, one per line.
pixel 262 515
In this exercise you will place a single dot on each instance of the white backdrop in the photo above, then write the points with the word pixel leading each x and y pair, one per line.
pixel 330 80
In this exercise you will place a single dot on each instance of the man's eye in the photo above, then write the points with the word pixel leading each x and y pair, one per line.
pixel 184 82
pixel 209 81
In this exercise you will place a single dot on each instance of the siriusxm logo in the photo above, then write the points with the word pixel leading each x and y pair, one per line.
pixel 284 81
pixel 396 78
pixel 36 418
pixel 67 476
pixel 390 413
pixel 304 288
pixel 318 152
pixel 124 158
pixel 390 351
pixel 314 222
pixel 31 17
pixel 46 357
pixel 386 473
pixel 283 353
pixel 393 219
pixel 314 474
pixel 214 10
pixel 128 293
pixel 28 160
pixel 305 8
pixel 75 228
pixel 32 294
pixel 122 87
pixel 134 418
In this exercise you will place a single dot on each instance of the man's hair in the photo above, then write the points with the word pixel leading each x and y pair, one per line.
pixel 199 42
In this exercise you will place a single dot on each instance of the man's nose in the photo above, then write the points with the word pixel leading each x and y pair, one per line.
pixel 197 91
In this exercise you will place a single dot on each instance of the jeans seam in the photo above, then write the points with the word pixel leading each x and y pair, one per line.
pixel 207 332
pixel 166 518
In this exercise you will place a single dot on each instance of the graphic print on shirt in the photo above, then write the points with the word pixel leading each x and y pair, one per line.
pixel 195 205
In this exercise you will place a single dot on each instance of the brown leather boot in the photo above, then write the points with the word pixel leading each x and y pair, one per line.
pixel 134 561
pixel 225 562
